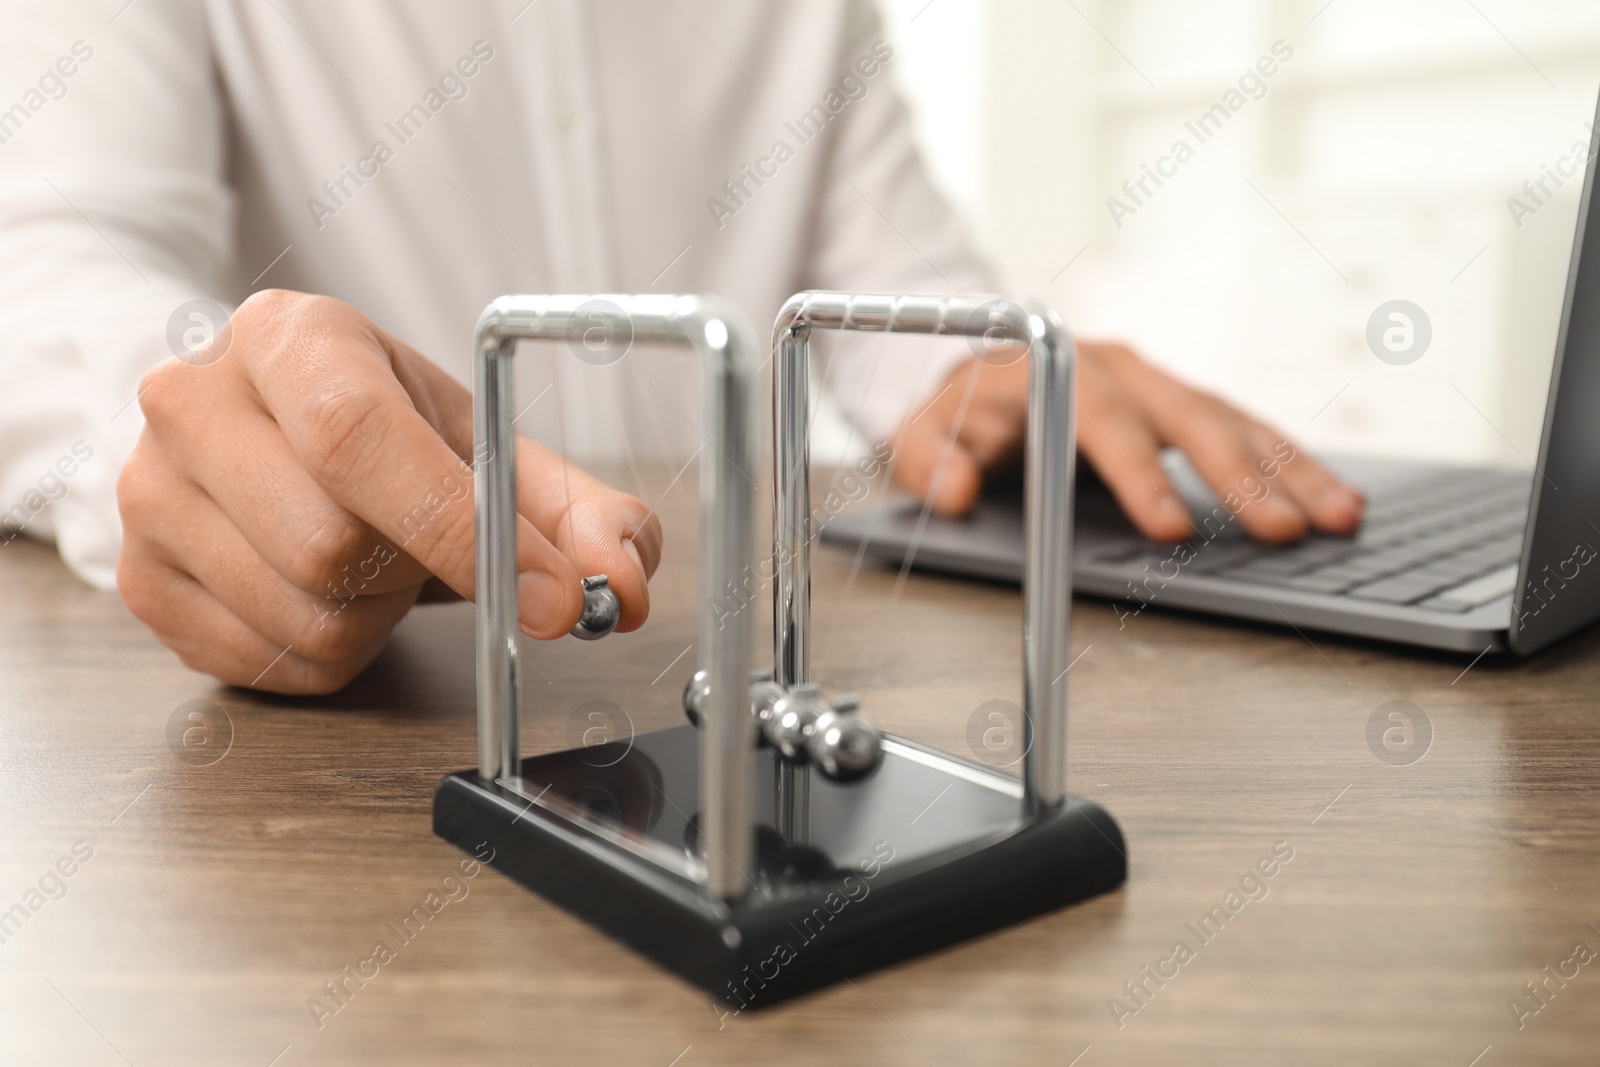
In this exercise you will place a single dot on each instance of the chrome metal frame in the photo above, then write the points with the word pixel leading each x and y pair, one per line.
pixel 727 349
pixel 1047 576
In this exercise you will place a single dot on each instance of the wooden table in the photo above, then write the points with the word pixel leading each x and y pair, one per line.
pixel 219 899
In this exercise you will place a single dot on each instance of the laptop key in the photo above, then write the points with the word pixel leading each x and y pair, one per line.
pixel 1491 586
pixel 1119 554
pixel 1368 568
pixel 1319 549
pixel 1322 583
pixel 1277 571
pixel 1218 555
pixel 1398 590
pixel 1453 570
pixel 1444 604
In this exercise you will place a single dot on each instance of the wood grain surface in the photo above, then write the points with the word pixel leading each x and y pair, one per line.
pixel 217 900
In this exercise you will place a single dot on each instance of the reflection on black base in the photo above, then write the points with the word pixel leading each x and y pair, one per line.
pixel 926 852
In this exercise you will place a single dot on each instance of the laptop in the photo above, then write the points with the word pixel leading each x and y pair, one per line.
pixel 1466 559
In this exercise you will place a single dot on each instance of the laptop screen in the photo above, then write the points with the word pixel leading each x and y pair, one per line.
pixel 1559 587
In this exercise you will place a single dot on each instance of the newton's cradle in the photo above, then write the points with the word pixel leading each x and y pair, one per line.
pixel 778 842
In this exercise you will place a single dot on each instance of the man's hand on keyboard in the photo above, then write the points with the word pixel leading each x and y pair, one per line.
pixel 1128 410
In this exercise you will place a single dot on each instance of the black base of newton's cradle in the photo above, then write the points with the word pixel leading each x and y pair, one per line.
pixel 927 852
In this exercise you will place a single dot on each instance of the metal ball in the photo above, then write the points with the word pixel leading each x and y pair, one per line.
pixel 789 725
pixel 695 695
pixel 764 696
pixel 786 730
pixel 601 610
pixel 846 746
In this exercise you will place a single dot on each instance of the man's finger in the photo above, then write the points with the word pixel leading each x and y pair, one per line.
pixel 1215 439
pixel 1333 506
pixel 1123 448
pixel 329 628
pixel 932 462
pixel 602 530
pixel 252 474
pixel 213 640
pixel 589 538
pixel 1219 443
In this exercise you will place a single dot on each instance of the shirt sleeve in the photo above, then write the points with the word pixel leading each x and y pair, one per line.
pixel 114 214
pixel 883 226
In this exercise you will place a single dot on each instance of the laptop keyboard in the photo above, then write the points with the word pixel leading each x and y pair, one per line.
pixel 1448 543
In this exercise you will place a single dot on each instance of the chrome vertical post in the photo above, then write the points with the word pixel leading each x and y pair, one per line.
pixel 1047 569
pixel 499 673
pixel 791 509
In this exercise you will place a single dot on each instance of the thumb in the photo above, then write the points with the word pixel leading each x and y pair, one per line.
pixel 933 463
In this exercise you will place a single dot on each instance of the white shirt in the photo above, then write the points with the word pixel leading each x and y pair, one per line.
pixel 417 160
